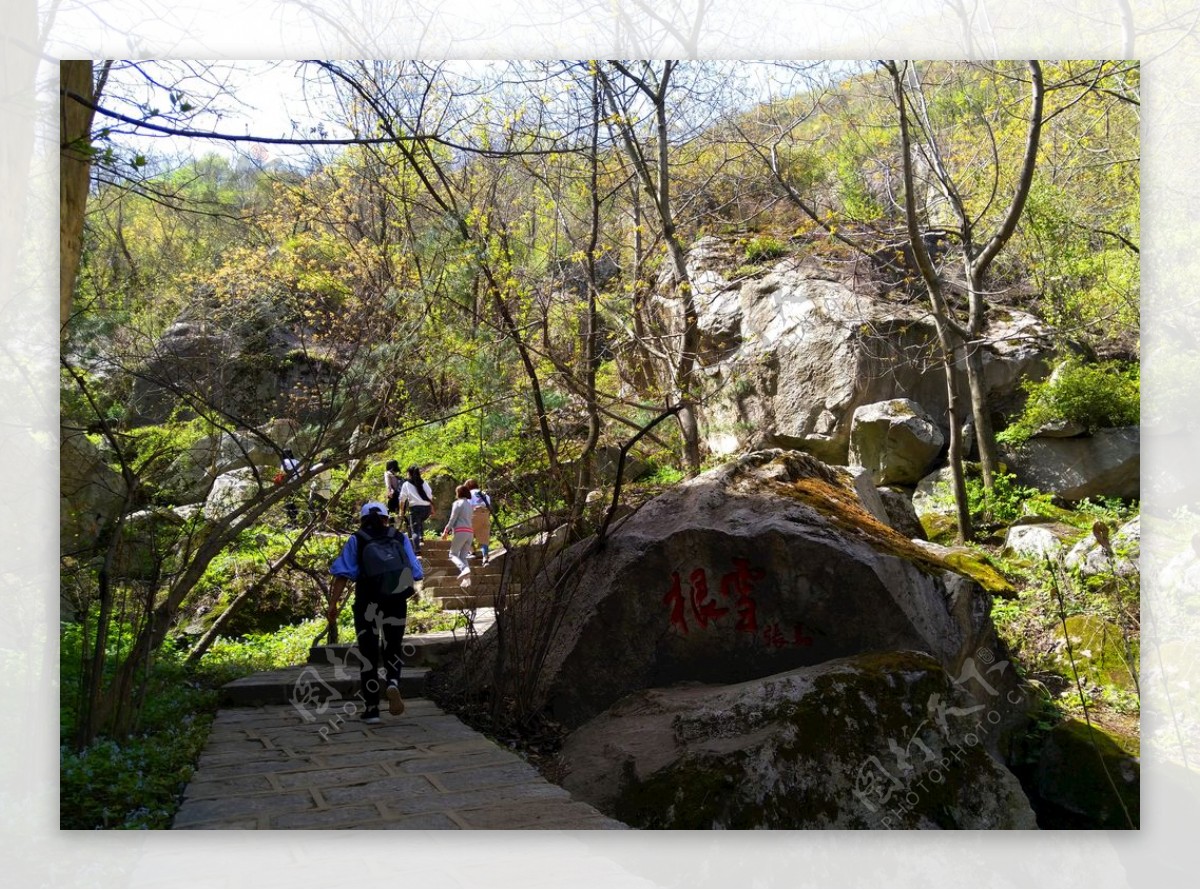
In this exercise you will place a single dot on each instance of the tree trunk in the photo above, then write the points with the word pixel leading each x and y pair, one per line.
pixel 75 168
pixel 985 434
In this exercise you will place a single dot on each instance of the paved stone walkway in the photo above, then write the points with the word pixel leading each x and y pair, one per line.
pixel 266 767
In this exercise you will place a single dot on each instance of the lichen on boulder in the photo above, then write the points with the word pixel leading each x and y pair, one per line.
pixel 885 740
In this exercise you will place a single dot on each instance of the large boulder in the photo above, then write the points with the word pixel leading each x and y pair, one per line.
pixel 230 491
pixel 902 515
pixel 884 740
pixel 896 440
pixel 1038 540
pixel 1104 464
pixel 760 566
pixel 246 363
pixel 791 355
pixel 91 493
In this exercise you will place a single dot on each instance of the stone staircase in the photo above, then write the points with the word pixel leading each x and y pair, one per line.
pixel 332 673
pixel 443 586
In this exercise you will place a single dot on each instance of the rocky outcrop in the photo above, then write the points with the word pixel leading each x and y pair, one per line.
pixel 249 365
pixel 902 516
pixel 821 634
pixel 791 355
pixel 230 491
pixel 870 741
pixel 1104 464
pixel 896 440
pixel 91 493
pixel 1038 540
pixel 761 566
pixel 191 476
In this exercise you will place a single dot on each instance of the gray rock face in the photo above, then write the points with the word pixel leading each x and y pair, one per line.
pixel 791 355
pixel 761 566
pixel 1038 540
pixel 91 494
pixel 1091 559
pixel 193 473
pixel 229 492
pixel 250 367
pixel 902 515
pixel 875 741
pixel 896 440
pixel 1105 464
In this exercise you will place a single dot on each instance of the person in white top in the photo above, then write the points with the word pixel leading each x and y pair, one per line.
pixel 416 503
pixel 290 468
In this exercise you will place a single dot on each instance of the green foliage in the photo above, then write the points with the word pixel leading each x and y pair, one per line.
pixel 230 658
pixel 1092 395
pixel 664 475
pixel 763 248
pixel 1004 503
pixel 137 783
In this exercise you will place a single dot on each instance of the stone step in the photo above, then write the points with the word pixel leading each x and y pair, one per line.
pixel 449 570
pixel 467 601
pixel 311 687
pixel 420 650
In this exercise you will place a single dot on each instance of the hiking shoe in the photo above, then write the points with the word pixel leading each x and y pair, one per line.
pixel 371 715
pixel 395 702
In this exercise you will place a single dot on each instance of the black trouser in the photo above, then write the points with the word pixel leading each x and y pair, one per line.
pixel 367 611
pixel 417 516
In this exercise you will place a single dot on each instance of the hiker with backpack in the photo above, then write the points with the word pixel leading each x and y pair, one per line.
pixel 416 504
pixel 481 518
pixel 381 563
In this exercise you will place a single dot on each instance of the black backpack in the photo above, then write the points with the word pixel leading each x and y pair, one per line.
pixel 383 564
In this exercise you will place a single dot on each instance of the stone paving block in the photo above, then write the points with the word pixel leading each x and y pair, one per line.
pixel 386 790
pixel 263 755
pixel 227 808
pixel 337 817
pixel 311 737
pixel 489 777
pixel 326 778
pixel 255 767
pixel 335 756
pixel 444 763
pixel 248 746
pixel 261 716
pixel 422 770
pixel 463 746
pixel 404 805
pixel 248 784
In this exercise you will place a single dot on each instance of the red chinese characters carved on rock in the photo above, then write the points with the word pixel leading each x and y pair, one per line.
pixel 737 589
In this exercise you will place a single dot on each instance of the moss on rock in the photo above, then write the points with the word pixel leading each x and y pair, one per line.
pixel 1099 651
pixel 1092 775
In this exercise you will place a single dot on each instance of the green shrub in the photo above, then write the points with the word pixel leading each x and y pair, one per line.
pixel 764 247
pixel 137 782
pixel 1005 503
pixel 1094 396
